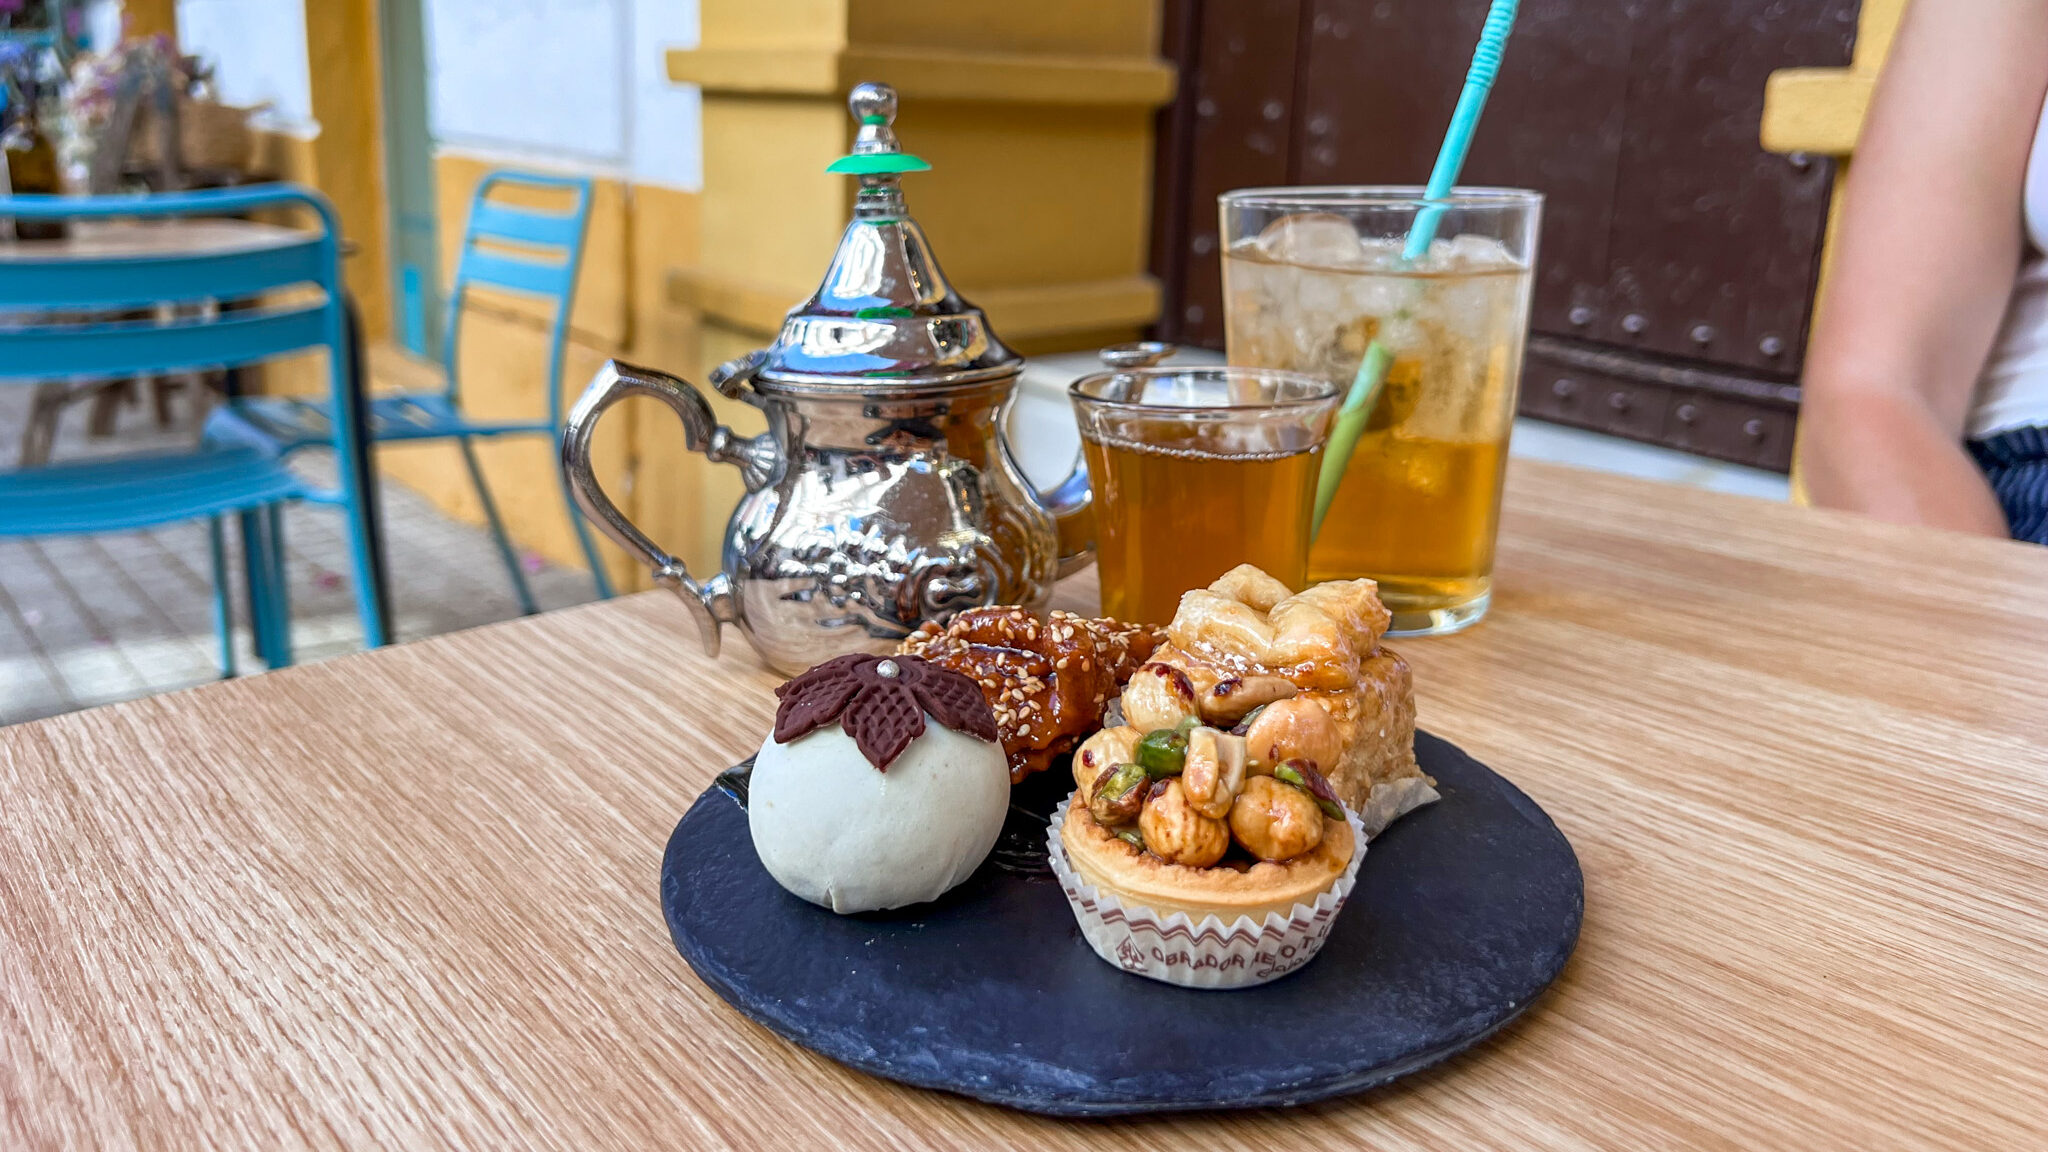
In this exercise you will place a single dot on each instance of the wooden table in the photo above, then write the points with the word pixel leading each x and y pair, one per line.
pixel 173 236
pixel 409 898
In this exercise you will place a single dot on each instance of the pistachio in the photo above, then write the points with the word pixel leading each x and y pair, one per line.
pixel 1275 821
pixel 1214 771
pixel 1162 752
pixel 1250 718
pixel 1303 775
pixel 1118 796
pixel 1130 836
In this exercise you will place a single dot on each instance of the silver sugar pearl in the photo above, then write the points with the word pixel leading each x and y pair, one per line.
pixel 888 670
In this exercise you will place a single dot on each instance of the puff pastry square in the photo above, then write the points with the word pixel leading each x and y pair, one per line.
pixel 1326 641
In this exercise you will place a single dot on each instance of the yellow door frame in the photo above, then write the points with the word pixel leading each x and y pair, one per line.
pixel 1821 111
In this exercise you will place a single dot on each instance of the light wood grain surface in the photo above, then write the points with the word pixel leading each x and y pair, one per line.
pixel 171 236
pixel 408 899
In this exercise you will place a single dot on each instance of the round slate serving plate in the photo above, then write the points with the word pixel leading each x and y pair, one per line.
pixel 1464 912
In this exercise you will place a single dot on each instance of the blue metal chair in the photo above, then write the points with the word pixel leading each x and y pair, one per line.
pixel 513 249
pixel 40 285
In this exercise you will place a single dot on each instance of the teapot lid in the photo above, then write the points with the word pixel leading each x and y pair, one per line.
pixel 884 314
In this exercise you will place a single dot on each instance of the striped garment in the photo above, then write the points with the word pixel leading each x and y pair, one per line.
pixel 2016 463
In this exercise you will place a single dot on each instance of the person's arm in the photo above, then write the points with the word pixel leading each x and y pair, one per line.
pixel 1930 240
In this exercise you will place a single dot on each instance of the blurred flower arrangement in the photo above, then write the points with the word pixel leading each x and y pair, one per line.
pixel 33 47
pixel 21 91
pixel 136 112
pixel 100 104
pixel 29 78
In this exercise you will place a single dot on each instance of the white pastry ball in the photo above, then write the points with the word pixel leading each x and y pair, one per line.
pixel 837 831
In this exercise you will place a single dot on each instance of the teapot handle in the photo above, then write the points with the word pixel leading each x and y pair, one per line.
pixel 711 602
pixel 1071 502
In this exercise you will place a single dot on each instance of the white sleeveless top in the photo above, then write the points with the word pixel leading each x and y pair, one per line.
pixel 2013 392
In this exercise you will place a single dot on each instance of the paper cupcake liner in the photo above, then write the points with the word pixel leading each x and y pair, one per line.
pixel 1209 954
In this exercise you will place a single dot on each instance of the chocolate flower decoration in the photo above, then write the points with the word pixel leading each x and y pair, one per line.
pixel 881 702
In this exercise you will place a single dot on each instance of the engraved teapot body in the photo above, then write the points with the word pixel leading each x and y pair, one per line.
pixel 883 493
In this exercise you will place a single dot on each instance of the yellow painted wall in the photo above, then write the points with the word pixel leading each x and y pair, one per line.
pixel 995 95
pixel 681 499
pixel 348 153
pixel 150 17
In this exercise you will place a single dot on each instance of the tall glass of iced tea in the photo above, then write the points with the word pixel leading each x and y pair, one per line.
pixel 1311 277
pixel 1198 470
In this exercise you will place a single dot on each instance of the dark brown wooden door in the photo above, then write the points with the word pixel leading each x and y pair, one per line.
pixel 1678 258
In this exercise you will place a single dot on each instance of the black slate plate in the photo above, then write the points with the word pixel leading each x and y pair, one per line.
pixel 1464 912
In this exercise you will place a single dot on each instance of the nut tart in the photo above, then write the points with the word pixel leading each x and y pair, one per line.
pixel 1252 888
pixel 1186 862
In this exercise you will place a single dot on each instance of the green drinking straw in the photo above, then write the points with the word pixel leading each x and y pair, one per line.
pixel 1372 371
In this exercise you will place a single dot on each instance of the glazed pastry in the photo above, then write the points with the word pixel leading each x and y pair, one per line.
pixel 1048 677
pixel 882 785
pixel 1253 655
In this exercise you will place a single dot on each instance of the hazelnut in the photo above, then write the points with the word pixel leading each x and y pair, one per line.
pixel 1228 702
pixel 1213 771
pixel 1297 729
pixel 1158 696
pixel 1100 753
pixel 1275 821
pixel 1178 834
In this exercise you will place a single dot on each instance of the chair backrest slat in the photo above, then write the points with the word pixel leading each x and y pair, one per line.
pixel 499 270
pixel 26 282
pixel 492 220
pixel 516 234
pixel 61 303
pixel 94 350
pixel 92 477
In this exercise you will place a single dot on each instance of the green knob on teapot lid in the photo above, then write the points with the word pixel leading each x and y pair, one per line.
pixel 875 150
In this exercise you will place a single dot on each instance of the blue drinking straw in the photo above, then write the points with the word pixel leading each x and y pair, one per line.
pixel 1450 159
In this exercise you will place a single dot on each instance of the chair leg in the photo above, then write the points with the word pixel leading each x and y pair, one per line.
pixel 505 551
pixel 105 412
pixel 39 432
pixel 280 587
pixel 256 577
pixel 269 611
pixel 223 609
pixel 598 576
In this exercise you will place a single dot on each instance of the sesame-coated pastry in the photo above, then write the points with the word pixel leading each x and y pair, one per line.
pixel 1048 676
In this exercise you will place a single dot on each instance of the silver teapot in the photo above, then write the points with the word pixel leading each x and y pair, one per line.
pixel 883 493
